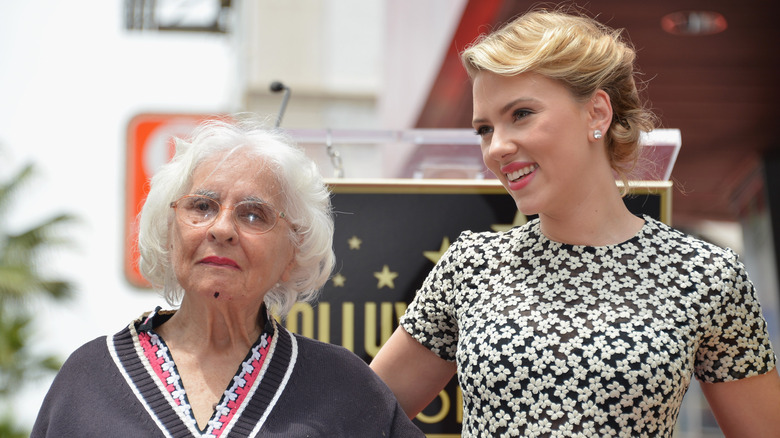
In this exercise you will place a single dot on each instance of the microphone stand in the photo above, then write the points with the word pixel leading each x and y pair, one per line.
pixel 276 87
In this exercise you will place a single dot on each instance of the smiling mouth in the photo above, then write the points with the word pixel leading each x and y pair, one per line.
pixel 520 173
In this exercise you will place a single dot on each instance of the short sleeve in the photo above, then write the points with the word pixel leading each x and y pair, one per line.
pixel 736 343
pixel 431 317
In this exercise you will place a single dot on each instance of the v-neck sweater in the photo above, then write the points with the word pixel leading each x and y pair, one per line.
pixel 305 388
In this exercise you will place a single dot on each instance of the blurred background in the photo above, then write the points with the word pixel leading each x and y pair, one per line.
pixel 80 81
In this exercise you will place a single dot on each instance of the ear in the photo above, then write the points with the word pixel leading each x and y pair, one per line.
pixel 599 111
pixel 289 268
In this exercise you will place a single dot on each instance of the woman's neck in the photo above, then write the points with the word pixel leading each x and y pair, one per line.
pixel 211 328
pixel 599 221
pixel 208 343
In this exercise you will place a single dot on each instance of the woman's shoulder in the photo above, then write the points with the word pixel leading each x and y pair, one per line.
pixel 671 239
pixel 321 355
pixel 100 347
pixel 88 352
pixel 82 365
pixel 312 347
pixel 330 381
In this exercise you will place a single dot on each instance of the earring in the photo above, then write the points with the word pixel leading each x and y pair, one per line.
pixel 597 134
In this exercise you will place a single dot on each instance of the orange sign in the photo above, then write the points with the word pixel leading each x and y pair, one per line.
pixel 149 146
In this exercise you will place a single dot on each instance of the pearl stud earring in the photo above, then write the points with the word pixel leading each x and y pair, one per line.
pixel 597 134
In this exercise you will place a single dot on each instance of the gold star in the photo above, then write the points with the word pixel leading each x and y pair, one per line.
pixel 385 278
pixel 354 242
pixel 520 219
pixel 339 280
pixel 434 256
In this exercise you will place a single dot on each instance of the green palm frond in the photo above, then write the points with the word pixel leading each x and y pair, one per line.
pixel 21 284
pixel 19 255
pixel 20 252
pixel 16 281
pixel 9 429
pixel 23 247
pixel 8 189
pixel 13 366
pixel 17 363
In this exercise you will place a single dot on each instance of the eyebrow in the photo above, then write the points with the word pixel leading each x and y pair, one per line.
pixel 207 193
pixel 214 195
pixel 255 199
pixel 506 108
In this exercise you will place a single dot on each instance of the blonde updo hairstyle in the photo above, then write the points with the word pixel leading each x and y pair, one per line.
pixel 585 56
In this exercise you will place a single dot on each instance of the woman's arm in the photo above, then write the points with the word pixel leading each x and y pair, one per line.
pixel 414 373
pixel 747 407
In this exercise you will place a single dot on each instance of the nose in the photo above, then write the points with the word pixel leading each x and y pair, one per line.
pixel 224 227
pixel 500 146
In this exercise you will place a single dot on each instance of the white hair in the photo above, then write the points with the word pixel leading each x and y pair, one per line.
pixel 304 197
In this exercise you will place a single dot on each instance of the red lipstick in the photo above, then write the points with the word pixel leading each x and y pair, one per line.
pixel 519 174
pixel 220 261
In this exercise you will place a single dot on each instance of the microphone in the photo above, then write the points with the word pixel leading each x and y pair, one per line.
pixel 276 87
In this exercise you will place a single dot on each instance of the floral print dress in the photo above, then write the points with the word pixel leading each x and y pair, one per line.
pixel 563 340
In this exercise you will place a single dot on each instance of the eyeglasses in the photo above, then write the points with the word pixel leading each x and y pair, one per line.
pixel 250 216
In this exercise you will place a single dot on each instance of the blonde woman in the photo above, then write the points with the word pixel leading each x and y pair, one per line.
pixel 588 321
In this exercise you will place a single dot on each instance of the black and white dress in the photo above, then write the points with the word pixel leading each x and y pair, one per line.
pixel 563 340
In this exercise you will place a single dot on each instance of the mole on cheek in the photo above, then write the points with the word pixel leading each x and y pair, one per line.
pixel 216 294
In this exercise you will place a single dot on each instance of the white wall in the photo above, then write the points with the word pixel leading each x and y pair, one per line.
pixel 70 80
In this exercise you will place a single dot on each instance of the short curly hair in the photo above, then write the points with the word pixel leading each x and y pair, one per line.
pixel 305 199
pixel 585 56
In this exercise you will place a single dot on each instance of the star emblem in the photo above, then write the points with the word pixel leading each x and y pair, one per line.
pixel 354 242
pixel 434 256
pixel 385 278
pixel 520 219
pixel 339 280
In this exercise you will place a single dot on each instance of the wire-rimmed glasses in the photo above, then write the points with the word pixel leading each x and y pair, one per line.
pixel 252 217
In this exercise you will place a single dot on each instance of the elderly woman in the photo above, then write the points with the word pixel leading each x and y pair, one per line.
pixel 236 228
